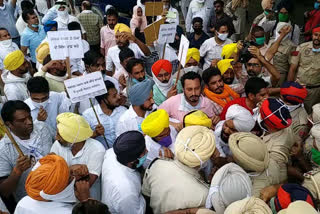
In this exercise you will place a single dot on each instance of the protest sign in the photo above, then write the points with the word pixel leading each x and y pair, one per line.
pixel 84 87
pixel 167 32
pixel 183 50
pixel 151 32
pixel 154 8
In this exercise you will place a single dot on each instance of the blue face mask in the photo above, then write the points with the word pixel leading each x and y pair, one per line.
pixel 165 141
pixel 142 160
pixel 317 5
pixel 316 50
pixel 35 26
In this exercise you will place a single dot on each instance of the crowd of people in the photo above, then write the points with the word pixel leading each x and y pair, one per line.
pixel 236 129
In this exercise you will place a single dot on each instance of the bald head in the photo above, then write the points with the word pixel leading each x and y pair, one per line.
pixel 86 5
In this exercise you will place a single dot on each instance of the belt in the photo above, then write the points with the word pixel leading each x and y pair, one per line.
pixel 312 86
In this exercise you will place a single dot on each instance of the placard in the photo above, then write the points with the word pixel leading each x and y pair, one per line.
pixel 154 8
pixel 151 32
pixel 167 33
pixel 84 87
pixel 183 50
pixel 65 44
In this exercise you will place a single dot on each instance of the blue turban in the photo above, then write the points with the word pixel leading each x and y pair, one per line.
pixel 49 25
pixel 140 92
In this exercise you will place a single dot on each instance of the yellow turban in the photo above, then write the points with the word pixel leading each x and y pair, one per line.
pixel 42 52
pixel 228 50
pixel 155 123
pixel 194 145
pixel 122 28
pixel 249 205
pixel 73 128
pixel 197 118
pixel 13 60
pixel 51 177
pixel 194 53
pixel 224 65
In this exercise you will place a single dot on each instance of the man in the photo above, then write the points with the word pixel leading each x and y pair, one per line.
pixel 256 91
pixel 107 34
pixel 141 99
pixel 160 136
pixel 45 105
pixel 305 64
pixel 198 37
pixel 6 46
pixel 121 180
pixel 313 19
pixel 16 76
pixel 193 147
pixel 34 139
pixel 32 36
pixel 198 8
pixel 218 17
pixel 52 187
pixel 192 63
pixel 52 13
pixel 8 22
pixel 168 10
pixel 211 49
pixel 123 36
pixel 191 99
pixel 109 111
pixel 137 73
pixel 91 23
pixel 74 144
pixel 164 86
pixel 21 24
pixel 122 75
pixel 232 74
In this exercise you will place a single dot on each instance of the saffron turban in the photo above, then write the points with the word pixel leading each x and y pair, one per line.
pixel 140 92
pixel 13 60
pixel 224 65
pixel 155 123
pixel 241 117
pixel 73 128
pixel 197 118
pixel 249 151
pixel 122 28
pixel 229 184
pixel 193 53
pixel 161 64
pixel 50 175
pixel 317 29
pixel 228 50
pixel 248 206
pixel 299 207
pixel 293 92
pixel 42 51
pixel 194 145
pixel 275 114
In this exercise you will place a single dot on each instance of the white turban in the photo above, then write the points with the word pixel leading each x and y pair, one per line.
pixel 248 206
pixel 298 207
pixel 315 132
pixel 241 117
pixel 229 184
pixel 194 145
pixel 316 113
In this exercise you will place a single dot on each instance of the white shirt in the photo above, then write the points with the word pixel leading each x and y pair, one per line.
pixel 15 88
pixel 63 26
pixel 113 56
pixel 170 20
pixel 108 121
pixel 198 10
pixel 57 103
pixel 121 187
pixel 91 155
pixel 4 51
pixel 211 50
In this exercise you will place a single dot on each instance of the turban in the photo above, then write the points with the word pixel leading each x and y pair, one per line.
pixel 288 193
pixel 49 25
pixel 42 51
pixel 224 65
pixel 229 184
pixel 122 28
pixel 155 123
pixel 194 145
pixel 293 92
pixel 317 29
pixel 287 4
pixel 299 207
pixel 140 92
pixel 241 117
pixel 197 118
pixel 73 128
pixel 275 114
pixel 161 64
pixel 129 146
pixel 266 4
pixel 50 175
pixel 228 50
pixel 249 151
pixel 193 53
pixel 248 206
pixel 316 113
pixel 13 60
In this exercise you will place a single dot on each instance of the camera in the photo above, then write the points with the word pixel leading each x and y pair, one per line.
pixel 245 55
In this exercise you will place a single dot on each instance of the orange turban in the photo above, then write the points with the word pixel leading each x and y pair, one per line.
pixel 317 29
pixel 161 64
pixel 51 177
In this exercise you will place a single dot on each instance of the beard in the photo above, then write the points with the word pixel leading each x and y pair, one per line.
pixel 228 81
pixel 224 136
pixel 109 106
pixel 123 45
pixel 149 108
pixel 165 81
pixel 193 98
pixel 251 73
pixel 316 42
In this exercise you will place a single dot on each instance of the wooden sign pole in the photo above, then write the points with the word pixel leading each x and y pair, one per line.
pixel 68 67
pixel 13 141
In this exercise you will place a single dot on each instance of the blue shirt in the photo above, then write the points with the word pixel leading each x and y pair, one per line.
pixel 8 21
pixel 32 40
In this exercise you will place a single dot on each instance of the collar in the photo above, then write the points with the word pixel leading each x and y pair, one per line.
pixel 189 170
pixel 185 106
pixel 132 113
pixel 56 78
pixel 274 135
pixel 87 11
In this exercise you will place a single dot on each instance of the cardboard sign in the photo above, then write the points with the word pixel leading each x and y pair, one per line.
pixel 167 33
pixel 154 8
pixel 65 44
pixel 84 87
pixel 183 50
pixel 151 32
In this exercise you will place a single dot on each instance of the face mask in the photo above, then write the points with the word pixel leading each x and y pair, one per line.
pixel 3 7
pixel 316 5
pixel 35 26
pixel 283 17
pixel 260 40
pixel 193 69
pixel 315 156
pixel 316 50
pixel 38 105
pixel 6 43
pixel 142 160
pixel 266 12
pixel 166 141
pixel 62 14
pixel 223 36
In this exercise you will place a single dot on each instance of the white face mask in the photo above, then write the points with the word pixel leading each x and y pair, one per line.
pixel 223 36
pixel 6 43
pixel 63 13
pixel 192 68
pixel 38 105
pixel 3 7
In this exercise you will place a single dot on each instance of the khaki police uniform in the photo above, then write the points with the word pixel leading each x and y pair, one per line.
pixel 308 72
pixel 312 182
pixel 299 124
